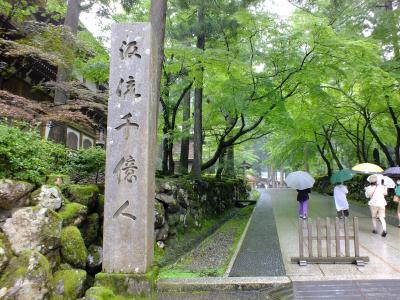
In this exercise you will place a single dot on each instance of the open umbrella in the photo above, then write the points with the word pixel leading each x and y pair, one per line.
pixel 393 172
pixel 299 180
pixel 367 168
pixel 387 181
pixel 342 175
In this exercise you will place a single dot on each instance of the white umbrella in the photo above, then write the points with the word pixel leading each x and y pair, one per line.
pixel 387 181
pixel 299 180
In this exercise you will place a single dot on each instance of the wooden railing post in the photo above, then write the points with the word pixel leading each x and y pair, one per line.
pixel 310 239
pixel 328 237
pixel 337 236
pixel 340 234
pixel 319 238
pixel 356 241
pixel 301 235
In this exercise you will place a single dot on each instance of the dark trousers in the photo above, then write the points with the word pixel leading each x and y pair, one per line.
pixel 343 213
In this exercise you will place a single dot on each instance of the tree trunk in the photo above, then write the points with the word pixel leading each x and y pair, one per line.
pixel 184 157
pixel 221 166
pixel 198 101
pixel 63 73
pixel 230 162
pixel 383 147
pixel 158 12
pixel 326 160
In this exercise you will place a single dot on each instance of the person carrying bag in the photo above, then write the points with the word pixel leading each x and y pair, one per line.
pixel 396 198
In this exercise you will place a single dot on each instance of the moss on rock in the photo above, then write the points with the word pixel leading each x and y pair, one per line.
pixel 101 293
pixel 73 249
pixel 27 276
pixel 125 284
pixel 100 204
pixel 58 179
pixel 90 229
pixel 68 284
pixel 5 251
pixel 86 194
pixel 73 214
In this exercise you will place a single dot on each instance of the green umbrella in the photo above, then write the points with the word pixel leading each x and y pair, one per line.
pixel 342 175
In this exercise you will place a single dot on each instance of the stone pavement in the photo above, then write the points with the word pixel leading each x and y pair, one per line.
pixel 260 254
pixel 384 253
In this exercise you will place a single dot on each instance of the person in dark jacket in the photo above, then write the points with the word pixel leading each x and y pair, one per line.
pixel 302 198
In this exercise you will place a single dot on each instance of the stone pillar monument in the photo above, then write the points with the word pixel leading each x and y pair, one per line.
pixel 131 136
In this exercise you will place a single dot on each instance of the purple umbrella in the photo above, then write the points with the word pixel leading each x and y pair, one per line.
pixel 393 171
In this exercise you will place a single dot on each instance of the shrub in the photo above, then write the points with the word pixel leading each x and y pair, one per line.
pixel 86 164
pixel 25 156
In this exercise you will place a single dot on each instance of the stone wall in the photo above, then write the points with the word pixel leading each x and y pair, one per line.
pixel 51 236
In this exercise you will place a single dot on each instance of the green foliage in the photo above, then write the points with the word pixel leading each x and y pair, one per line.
pixel 25 156
pixel 85 164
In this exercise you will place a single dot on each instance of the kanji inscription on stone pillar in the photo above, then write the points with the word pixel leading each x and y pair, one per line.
pixel 131 135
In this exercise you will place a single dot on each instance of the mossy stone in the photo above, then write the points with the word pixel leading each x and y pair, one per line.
pixel 68 284
pixel 125 284
pixel 5 251
pixel 58 179
pixel 90 229
pixel 86 194
pixel 73 214
pixel 27 276
pixel 73 249
pixel 101 293
pixel 100 204
pixel 50 234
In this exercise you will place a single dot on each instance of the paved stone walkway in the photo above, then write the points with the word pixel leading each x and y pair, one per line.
pixel 384 253
pixel 260 253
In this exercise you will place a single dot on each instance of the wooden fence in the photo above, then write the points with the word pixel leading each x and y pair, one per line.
pixel 329 236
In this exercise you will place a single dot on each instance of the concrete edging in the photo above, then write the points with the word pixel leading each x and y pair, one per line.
pixel 220 284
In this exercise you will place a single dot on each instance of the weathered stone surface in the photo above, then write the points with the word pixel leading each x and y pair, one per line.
pixel 183 198
pixel 5 251
pixel 68 284
pixel 94 258
pixel 47 196
pixel 73 214
pixel 161 234
pixel 33 228
pixel 159 214
pixel 90 228
pixel 58 179
pixel 85 194
pixel 73 249
pixel 167 199
pixel 127 285
pixel 54 259
pixel 131 135
pixel 14 193
pixel 27 277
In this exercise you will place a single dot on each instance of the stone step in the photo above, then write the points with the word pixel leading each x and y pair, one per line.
pixel 220 284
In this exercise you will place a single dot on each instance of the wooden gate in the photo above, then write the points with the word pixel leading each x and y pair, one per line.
pixel 329 236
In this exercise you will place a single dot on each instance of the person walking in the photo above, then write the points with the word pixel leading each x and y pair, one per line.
pixel 302 198
pixel 377 203
pixel 396 198
pixel 342 206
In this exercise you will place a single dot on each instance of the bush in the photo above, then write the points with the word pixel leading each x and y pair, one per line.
pixel 86 164
pixel 25 156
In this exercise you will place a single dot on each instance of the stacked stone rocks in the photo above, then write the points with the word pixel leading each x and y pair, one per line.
pixel 182 203
pixel 51 236
pixel 50 239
